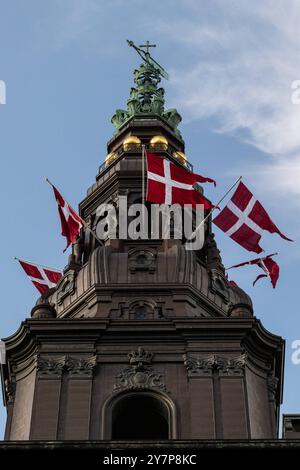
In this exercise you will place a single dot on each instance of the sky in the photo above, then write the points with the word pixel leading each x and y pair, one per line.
pixel 67 68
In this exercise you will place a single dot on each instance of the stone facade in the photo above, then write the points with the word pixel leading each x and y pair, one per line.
pixel 142 319
pixel 213 375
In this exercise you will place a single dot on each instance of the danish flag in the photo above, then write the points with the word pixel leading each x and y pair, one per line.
pixel 168 183
pixel 71 223
pixel 267 264
pixel 244 219
pixel 43 278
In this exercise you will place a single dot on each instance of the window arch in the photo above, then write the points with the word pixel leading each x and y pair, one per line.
pixel 139 415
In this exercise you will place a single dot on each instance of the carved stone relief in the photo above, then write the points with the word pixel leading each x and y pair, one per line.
pixel 139 374
pixel 205 365
pixel 80 366
pixel 272 387
pixel 142 260
pixel 219 284
pixel 74 366
pixel 10 389
pixel 138 309
pixel 66 286
pixel 50 367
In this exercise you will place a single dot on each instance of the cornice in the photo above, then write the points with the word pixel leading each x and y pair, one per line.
pixel 155 288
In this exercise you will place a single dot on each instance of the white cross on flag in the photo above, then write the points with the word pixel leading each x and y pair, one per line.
pixel 43 278
pixel 168 183
pixel 244 219
pixel 71 223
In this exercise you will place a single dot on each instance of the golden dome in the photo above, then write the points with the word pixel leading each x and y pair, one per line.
pixel 159 142
pixel 110 158
pixel 181 157
pixel 131 142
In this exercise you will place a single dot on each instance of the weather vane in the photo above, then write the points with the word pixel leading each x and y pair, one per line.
pixel 145 55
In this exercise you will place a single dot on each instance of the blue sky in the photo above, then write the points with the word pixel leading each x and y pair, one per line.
pixel 67 67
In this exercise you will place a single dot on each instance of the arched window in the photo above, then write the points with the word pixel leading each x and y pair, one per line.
pixel 140 417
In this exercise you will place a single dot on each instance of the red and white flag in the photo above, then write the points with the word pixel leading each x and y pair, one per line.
pixel 42 277
pixel 71 223
pixel 267 264
pixel 244 219
pixel 168 183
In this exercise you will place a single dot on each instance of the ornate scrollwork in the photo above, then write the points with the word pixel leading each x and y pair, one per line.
pixel 81 366
pixel 205 365
pixel 142 260
pixel 75 366
pixel 199 366
pixel 146 97
pixel 139 375
pixel 67 284
pixel 233 366
pixel 50 367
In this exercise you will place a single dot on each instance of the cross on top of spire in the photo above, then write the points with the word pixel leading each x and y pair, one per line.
pixel 147 46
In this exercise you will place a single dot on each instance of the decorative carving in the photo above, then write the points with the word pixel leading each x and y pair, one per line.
pixel 146 97
pixel 81 366
pixel 173 117
pixel 138 309
pixel 142 260
pixel 272 383
pixel 199 366
pixel 10 389
pixel 233 366
pixel 139 375
pixel 50 367
pixel 76 366
pixel 213 256
pixel 140 357
pixel 66 285
pixel 204 366
pixel 139 378
pixel 119 118
pixel 219 284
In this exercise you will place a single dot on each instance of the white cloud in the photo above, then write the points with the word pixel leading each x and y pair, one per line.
pixel 245 58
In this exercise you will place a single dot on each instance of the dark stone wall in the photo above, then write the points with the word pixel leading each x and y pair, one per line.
pixel 216 389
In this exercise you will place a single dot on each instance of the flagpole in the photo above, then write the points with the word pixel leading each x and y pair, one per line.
pixel 83 221
pixel 143 174
pixel 214 208
pixel 143 183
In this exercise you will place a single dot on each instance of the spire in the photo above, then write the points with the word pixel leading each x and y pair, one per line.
pixel 146 97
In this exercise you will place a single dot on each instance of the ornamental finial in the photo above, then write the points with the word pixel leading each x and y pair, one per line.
pixel 146 97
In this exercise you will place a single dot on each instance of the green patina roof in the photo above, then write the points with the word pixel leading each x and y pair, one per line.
pixel 147 98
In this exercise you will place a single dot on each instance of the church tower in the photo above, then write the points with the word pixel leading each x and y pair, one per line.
pixel 142 338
